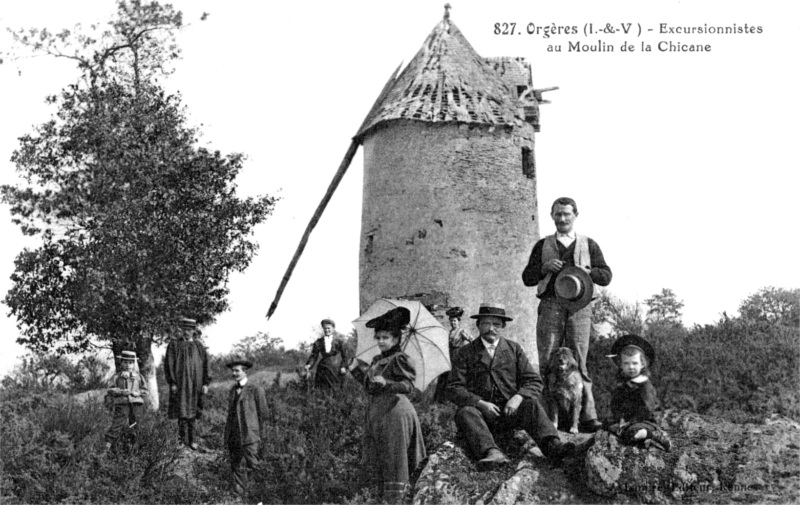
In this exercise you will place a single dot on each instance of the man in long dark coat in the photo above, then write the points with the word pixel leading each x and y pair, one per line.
pixel 329 355
pixel 496 388
pixel 186 370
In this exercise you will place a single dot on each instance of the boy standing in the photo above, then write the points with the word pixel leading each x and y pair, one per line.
pixel 247 411
pixel 126 391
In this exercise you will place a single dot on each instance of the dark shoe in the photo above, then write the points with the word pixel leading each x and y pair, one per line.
pixel 661 439
pixel 557 450
pixel 590 426
pixel 494 458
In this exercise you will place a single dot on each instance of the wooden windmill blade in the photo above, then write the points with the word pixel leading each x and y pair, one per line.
pixel 337 178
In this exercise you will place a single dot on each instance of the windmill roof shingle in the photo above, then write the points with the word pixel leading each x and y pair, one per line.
pixel 448 81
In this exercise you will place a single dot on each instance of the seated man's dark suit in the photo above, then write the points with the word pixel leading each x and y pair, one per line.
pixel 477 376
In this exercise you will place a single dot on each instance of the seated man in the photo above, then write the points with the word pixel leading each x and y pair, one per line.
pixel 496 388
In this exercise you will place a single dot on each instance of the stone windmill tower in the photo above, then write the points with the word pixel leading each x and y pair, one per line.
pixel 449 199
pixel 449 206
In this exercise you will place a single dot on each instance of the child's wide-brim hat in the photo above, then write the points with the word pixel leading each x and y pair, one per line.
pixel 128 356
pixel 574 288
pixel 634 341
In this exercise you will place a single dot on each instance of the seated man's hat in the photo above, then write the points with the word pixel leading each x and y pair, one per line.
pixel 634 341
pixel 394 319
pixel 574 288
pixel 492 309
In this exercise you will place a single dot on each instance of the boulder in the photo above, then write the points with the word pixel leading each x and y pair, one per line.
pixel 711 461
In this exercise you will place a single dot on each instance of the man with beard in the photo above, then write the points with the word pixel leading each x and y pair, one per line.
pixel 496 389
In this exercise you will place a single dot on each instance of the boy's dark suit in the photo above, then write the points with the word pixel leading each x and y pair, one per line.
pixel 477 376
pixel 247 410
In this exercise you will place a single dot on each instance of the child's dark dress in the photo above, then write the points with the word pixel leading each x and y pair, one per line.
pixel 635 402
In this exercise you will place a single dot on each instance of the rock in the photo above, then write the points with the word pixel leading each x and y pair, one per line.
pixel 711 460
pixel 435 483
pixel 523 480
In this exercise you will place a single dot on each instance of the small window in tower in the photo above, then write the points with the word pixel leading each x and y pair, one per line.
pixel 521 90
pixel 528 163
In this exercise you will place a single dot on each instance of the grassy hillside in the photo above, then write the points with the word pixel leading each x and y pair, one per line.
pixel 49 444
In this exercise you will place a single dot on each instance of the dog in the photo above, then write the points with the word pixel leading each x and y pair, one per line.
pixel 564 388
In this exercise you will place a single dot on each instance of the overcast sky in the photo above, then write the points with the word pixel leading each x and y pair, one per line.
pixel 683 164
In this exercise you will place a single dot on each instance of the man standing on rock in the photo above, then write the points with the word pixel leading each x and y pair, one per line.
pixel 496 388
pixel 186 371
pixel 560 325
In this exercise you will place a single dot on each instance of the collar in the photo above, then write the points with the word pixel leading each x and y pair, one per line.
pixel 639 379
pixel 242 383
pixel 391 351
pixel 567 236
pixel 328 337
pixel 487 345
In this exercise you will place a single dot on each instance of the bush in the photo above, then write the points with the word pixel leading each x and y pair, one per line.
pixel 51 451
pixel 48 372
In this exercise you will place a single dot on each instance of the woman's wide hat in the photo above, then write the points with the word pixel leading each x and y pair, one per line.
pixel 396 318
pixel 491 309
pixel 574 288
pixel 634 341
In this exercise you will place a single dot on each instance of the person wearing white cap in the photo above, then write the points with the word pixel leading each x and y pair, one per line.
pixel 126 393
pixel 565 267
pixel 186 371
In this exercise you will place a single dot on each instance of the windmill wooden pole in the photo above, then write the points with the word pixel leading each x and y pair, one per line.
pixel 337 178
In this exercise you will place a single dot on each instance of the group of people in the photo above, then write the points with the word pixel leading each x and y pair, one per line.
pixel 491 381
pixel 187 375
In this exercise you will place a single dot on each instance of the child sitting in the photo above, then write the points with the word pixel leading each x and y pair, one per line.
pixel 634 401
pixel 125 394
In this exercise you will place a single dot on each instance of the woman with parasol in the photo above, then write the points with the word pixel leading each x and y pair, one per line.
pixel 392 445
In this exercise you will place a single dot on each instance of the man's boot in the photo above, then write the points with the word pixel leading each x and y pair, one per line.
pixel 182 431
pixel 190 434
pixel 557 450
pixel 661 439
pixel 494 458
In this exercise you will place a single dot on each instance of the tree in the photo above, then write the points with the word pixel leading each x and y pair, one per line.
pixel 664 308
pixel 624 317
pixel 138 225
pixel 772 306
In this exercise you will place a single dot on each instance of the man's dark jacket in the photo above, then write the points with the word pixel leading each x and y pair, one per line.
pixel 247 411
pixel 476 376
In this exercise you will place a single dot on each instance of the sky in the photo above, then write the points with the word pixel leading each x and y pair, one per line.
pixel 682 163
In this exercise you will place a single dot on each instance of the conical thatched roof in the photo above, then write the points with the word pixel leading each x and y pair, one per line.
pixel 447 81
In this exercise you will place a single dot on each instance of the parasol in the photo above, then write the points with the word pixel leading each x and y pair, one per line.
pixel 426 342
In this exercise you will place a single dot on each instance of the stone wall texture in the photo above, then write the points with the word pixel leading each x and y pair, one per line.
pixel 447 208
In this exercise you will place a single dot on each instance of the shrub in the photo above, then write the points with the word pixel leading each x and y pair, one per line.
pixel 51 451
